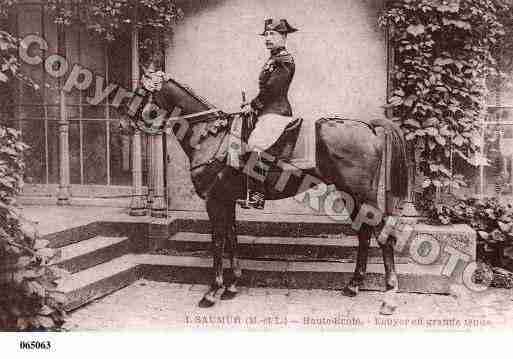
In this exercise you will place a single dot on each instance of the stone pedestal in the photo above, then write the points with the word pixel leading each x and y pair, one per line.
pixel 158 203
pixel 447 250
pixel 138 204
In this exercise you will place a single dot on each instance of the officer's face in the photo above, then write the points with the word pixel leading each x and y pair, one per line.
pixel 274 39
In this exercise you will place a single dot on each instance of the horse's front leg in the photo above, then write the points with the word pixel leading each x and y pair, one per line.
pixel 389 304
pixel 353 287
pixel 232 244
pixel 217 218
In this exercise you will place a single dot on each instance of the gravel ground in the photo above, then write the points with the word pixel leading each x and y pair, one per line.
pixel 147 305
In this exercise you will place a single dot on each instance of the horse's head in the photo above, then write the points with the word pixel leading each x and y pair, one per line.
pixel 198 126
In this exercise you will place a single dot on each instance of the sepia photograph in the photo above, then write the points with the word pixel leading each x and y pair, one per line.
pixel 255 166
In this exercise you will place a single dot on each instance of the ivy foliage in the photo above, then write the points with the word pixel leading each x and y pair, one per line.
pixel 9 60
pixel 491 219
pixel 443 52
pixel 109 19
pixel 29 297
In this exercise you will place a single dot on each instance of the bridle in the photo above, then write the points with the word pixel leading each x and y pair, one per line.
pixel 193 118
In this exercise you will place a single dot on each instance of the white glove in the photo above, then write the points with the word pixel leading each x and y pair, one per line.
pixel 152 81
pixel 247 109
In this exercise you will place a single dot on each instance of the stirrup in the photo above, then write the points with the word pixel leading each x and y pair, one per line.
pixel 243 203
pixel 256 199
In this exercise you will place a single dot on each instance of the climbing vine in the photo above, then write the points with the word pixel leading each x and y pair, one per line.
pixel 109 19
pixel 444 50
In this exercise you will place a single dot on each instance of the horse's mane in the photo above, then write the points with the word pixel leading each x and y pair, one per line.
pixel 191 93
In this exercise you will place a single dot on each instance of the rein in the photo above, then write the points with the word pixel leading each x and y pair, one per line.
pixel 193 115
pixel 194 118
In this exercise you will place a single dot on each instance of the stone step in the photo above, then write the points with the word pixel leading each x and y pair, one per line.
pixel 341 248
pixel 72 235
pixel 278 225
pixel 91 252
pixel 98 281
pixel 306 275
pixel 191 261
pixel 261 247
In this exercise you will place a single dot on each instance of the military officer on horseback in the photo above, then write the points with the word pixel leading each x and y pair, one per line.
pixel 271 106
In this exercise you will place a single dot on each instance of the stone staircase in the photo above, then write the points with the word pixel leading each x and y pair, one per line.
pixel 310 262
pixel 104 257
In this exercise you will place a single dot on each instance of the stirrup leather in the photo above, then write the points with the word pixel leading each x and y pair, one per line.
pixel 256 199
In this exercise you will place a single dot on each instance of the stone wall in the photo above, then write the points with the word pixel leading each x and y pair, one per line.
pixel 340 56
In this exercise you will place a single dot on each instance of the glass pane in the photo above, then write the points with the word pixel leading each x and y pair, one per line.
pixel 53 152
pixel 53 112
pixel 74 152
pixel 120 156
pixel 74 54
pixel 145 158
pixel 33 134
pixel 119 62
pixel 29 19
pixel 93 111
pixel 497 175
pixel 31 111
pixel 51 94
pixel 73 112
pixel 95 159
pixel 7 103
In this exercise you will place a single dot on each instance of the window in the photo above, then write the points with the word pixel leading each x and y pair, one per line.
pixel 99 153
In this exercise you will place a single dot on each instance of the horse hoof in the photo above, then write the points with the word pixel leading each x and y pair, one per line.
pixel 205 303
pixel 387 309
pixel 350 291
pixel 228 295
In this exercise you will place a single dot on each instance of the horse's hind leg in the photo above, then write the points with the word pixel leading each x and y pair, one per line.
pixel 364 236
pixel 389 304
pixel 232 249
pixel 217 215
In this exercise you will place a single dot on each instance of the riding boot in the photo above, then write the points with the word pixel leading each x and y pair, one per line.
pixel 256 186
pixel 255 195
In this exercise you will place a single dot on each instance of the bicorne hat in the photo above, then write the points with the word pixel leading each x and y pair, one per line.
pixel 281 26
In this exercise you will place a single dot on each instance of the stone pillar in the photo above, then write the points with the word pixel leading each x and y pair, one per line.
pixel 158 204
pixel 138 204
pixel 63 196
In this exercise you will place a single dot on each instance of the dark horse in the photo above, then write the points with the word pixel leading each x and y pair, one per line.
pixel 349 156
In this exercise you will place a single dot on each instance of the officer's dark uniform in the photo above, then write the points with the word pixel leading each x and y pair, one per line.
pixel 274 83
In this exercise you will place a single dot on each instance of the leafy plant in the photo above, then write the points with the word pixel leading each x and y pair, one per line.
pixel 109 18
pixel 9 60
pixel 443 52
pixel 29 297
pixel 491 219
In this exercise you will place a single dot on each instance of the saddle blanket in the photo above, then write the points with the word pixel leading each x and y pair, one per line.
pixel 267 131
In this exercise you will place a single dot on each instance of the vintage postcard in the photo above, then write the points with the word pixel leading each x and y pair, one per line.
pixel 275 165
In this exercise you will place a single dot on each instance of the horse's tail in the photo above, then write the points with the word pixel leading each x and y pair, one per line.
pixel 398 174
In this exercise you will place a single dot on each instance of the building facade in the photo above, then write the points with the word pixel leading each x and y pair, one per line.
pixel 79 155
